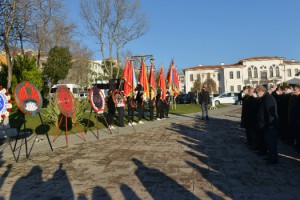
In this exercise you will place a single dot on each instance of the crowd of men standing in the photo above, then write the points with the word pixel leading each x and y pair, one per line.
pixel 269 114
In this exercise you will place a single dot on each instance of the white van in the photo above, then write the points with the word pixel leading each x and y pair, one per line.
pixel 226 97
pixel 72 87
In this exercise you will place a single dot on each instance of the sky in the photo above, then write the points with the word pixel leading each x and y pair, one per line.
pixel 208 32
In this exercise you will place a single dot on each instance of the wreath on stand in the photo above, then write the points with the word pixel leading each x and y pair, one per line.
pixel 5 104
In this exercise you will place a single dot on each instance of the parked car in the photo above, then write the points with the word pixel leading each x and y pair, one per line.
pixel 226 98
pixel 185 98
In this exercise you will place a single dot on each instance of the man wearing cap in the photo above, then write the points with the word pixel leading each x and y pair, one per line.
pixel 204 100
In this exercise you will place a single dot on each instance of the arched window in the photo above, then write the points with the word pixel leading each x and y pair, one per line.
pixel 255 73
pixel 277 71
pixel 271 72
pixel 249 72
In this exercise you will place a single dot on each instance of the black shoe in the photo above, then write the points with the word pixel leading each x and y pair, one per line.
pixel 207 118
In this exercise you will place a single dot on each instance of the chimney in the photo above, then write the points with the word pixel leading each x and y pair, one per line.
pixel 222 63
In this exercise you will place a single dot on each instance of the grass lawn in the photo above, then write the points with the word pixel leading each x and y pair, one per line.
pixel 188 108
pixel 34 125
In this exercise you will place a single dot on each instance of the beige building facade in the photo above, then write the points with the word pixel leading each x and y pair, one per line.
pixel 250 71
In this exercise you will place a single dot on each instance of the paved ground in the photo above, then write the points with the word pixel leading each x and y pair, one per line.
pixel 177 158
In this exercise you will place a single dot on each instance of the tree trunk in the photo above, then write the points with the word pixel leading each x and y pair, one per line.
pixel 118 55
pixel 21 43
pixel 111 64
pixel 9 64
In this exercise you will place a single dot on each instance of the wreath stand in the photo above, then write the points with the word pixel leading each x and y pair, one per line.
pixel 66 121
pixel 25 133
pixel 88 123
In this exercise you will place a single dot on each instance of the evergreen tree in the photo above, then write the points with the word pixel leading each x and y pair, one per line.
pixel 58 64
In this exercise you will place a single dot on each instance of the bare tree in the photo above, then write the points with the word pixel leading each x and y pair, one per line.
pixel 46 12
pixel 7 20
pixel 81 65
pixel 130 23
pixel 114 23
pixel 96 15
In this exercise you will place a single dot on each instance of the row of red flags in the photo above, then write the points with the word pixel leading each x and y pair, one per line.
pixel 149 85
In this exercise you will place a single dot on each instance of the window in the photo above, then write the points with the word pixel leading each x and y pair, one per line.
pixel 191 78
pixel 289 72
pixel 277 71
pixel 231 88
pixel 271 72
pixel 255 73
pixel 296 71
pixel 198 76
pixel 238 74
pixel 249 73
pixel 239 88
pixel 263 75
pixel 219 77
pixel 231 75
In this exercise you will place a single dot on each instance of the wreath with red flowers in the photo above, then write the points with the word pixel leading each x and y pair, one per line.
pixel 5 103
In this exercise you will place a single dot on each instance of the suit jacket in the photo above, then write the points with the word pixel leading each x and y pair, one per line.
pixel 204 97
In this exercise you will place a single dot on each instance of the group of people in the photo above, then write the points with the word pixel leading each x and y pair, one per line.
pixel 117 101
pixel 269 114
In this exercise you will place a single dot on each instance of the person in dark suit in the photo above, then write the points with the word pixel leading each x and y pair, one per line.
pixel 243 98
pixel 151 108
pixel 130 108
pixel 140 103
pixel 294 123
pixel 111 109
pixel 167 104
pixel 158 104
pixel 268 122
pixel 204 100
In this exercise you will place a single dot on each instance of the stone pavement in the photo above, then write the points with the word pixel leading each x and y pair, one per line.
pixel 177 158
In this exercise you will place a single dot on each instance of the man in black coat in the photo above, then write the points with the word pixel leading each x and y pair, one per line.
pixel 158 104
pixel 268 122
pixel 204 100
pixel 111 110
pixel 167 104
pixel 294 122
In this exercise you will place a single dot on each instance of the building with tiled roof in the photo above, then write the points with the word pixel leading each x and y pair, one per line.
pixel 252 71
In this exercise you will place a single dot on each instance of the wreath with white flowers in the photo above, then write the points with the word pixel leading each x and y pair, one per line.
pixel 5 103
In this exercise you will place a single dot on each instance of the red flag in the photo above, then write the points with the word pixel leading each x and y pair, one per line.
pixel 144 80
pixel 152 81
pixel 162 83
pixel 127 79
pixel 176 88
pixel 170 74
